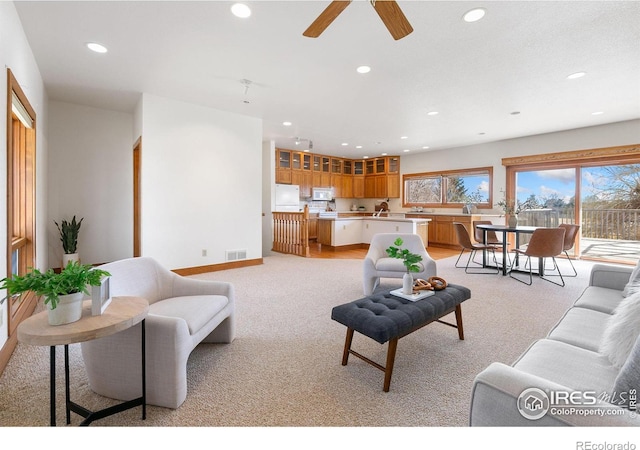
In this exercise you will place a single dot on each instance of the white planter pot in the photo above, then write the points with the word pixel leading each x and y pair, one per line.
pixel 407 283
pixel 69 309
pixel 69 257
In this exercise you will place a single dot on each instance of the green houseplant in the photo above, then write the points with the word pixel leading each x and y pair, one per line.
pixel 68 286
pixel 69 235
pixel 410 260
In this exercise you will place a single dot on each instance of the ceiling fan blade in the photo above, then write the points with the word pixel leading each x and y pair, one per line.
pixel 325 18
pixel 393 18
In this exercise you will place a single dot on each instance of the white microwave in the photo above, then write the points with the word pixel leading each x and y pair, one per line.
pixel 322 194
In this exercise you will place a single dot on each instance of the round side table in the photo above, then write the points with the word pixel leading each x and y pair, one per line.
pixel 121 314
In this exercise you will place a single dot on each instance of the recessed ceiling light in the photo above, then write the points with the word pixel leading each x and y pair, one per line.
pixel 365 157
pixel 406 150
pixel 474 15
pixel 425 147
pixel 404 137
pixel 286 124
pixel 433 113
pixel 358 146
pixel 95 47
pixel 383 154
pixel 597 113
pixel 573 76
pixel 240 10
pixel 344 144
pixel 363 69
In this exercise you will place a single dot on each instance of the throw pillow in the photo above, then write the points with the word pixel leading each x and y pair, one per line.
pixel 622 330
pixel 628 379
pixel 633 285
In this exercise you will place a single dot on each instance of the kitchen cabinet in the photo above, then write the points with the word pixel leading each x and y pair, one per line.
pixel 283 166
pixel 370 178
pixel 313 226
pixel 324 232
pixel 441 232
pixel 350 229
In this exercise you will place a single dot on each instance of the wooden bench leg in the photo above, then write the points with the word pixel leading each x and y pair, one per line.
pixel 459 322
pixel 391 357
pixel 347 346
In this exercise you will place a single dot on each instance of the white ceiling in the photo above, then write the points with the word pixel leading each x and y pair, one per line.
pixel 475 75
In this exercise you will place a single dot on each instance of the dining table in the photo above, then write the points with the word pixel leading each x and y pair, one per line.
pixel 504 229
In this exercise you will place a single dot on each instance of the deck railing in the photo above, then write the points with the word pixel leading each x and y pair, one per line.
pixel 618 224
pixel 291 232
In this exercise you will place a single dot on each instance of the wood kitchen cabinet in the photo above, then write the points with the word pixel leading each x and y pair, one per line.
pixel 441 232
pixel 283 166
pixel 365 178
pixel 324 232
pixel 313 226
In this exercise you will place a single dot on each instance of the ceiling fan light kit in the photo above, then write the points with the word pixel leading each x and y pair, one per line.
pixel 388 10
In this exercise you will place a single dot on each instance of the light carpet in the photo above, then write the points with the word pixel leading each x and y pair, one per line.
pixel 283 369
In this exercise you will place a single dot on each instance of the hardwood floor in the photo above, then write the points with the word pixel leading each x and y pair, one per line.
pixel 317 251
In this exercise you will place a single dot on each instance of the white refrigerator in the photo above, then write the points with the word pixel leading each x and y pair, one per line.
pixel 287 198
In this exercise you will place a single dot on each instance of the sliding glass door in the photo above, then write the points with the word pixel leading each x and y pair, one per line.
pixel 603 199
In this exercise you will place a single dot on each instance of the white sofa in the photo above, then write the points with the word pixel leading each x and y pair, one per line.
pixel 183 312
pixel 575 358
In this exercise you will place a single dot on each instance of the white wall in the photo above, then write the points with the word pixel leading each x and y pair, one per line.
pixel 201 183
pixel 16 55
pixel 268 194
pixel 491 154
pixel 91 177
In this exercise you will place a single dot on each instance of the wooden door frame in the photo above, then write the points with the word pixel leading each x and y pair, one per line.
pixel 137 149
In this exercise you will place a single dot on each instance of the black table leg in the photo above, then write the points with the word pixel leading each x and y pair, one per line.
pixel 144 373
pixel 67 390
pixel 52 385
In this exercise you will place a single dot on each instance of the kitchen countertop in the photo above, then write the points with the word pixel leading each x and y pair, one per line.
pixel 385 219
pixel 425 213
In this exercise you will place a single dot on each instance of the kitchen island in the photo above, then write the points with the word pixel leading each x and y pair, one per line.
pixel 350 232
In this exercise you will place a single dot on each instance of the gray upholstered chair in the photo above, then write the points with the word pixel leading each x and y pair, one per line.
pixel 377 264
pixel 183 312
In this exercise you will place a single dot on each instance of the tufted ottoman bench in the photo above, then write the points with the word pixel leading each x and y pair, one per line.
pixel 384 317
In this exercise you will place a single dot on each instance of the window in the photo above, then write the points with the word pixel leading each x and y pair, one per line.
pixel 451 189
pixel 21 153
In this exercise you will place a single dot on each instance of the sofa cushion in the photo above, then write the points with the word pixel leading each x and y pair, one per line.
pixel 629 376
pixel 600 299
pixel 581 327
pixel 622 330
pixel 633 285
pixel 196 310
pixel 568 365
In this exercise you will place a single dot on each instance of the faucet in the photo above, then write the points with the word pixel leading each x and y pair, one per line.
pixel 380 211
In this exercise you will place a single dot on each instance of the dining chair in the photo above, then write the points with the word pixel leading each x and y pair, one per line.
pixel 464 240
pixel 544 243
pixel 492 237
pixel 571 231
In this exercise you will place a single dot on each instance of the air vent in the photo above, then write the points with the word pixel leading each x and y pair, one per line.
pixel 234 255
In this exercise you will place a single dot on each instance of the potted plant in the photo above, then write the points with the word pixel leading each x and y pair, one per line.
pixel 69 236
pixel 410 260
pixel 63 292
pixel 512 208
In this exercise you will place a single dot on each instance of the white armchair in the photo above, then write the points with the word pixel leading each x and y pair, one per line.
pixel 183 312
pixel 377 264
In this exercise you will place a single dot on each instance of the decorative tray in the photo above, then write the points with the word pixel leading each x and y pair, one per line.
pixel 412 297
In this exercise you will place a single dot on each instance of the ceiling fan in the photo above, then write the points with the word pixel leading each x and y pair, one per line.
pixel 389 11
